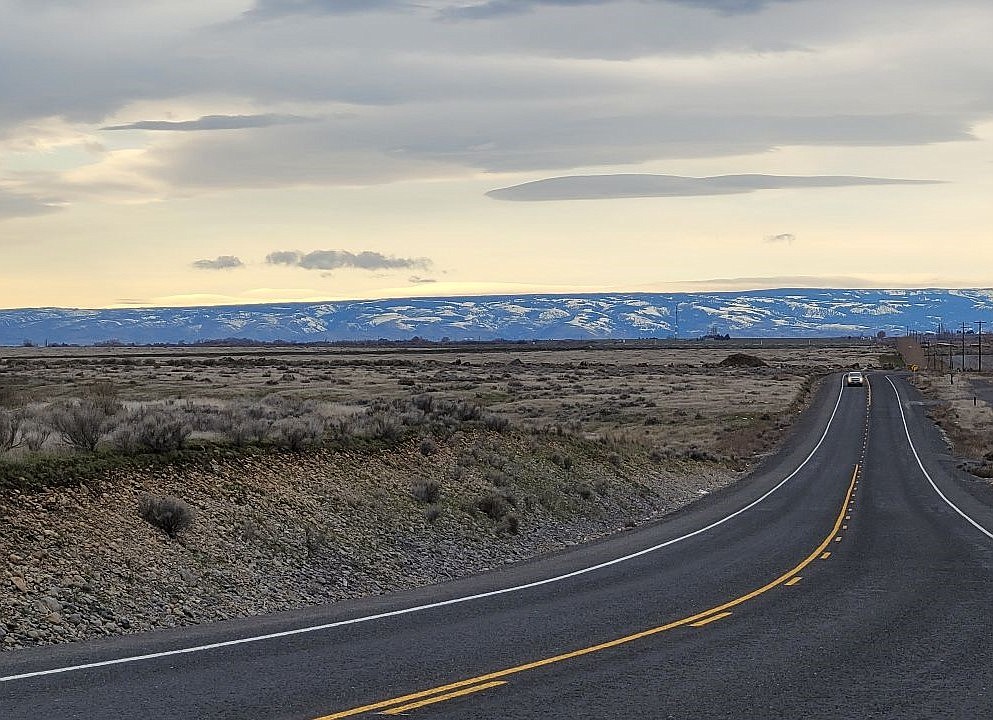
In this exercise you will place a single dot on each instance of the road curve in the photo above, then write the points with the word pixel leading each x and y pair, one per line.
pixel 849 577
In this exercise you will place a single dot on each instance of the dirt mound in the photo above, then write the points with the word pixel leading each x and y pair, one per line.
pixel 742 360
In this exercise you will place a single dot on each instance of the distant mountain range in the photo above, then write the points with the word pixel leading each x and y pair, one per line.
pixel 757 314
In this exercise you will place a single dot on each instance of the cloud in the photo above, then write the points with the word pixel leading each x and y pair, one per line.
pixel 619 83
pixel 282 8
pixel 500 8
pixel 466 10
pixel 336 259
pixel 15 204
pixel 446 140
pixel 284 257
pixel 781 282
pixel 417 280
pixel 224 262
pixel 214 122
pixel 787 238
pixel 602 187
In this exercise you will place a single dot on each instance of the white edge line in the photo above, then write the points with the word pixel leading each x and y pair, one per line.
pixel 443 603
pixel 917 457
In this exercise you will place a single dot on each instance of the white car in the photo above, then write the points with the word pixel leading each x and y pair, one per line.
pixel 854 378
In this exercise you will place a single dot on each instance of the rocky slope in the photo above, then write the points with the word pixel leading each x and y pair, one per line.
pixel 281 531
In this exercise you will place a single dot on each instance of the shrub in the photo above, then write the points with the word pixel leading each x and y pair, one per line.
pixel 424 403
pixel 386 427
pixel 103 395
pixel 296 433
pixel 584 490
pixel 426 491
pixel 498 478
pixel 10 429
pixel 35 435
pixel 495 505
pixel 432 513
pixel 660 455
pixel 458 410
pixel 155 430
pixel 80 423
pixel 698 455
pixel 428 447
pixel 204 417
pixel 9 397
pixel 510 524
pixel 245 423
pixel 167 513
pixel 563 461
pixel 342 427
pixel 496 422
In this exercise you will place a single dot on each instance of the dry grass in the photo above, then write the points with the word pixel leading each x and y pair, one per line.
pixel 962 412
pixel 667 395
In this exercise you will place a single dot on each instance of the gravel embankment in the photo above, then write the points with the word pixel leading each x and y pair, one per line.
pixel 281 531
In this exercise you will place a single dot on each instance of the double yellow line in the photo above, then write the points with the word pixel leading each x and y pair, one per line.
pixel 468 686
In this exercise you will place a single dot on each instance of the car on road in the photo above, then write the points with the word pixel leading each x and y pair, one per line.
pixel 854 378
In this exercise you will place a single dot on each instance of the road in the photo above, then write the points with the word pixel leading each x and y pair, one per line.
pixel 849 577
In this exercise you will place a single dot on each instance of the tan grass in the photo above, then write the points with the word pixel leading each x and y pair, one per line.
pixel 657 394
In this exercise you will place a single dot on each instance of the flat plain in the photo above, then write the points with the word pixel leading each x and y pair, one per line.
pixel 674 394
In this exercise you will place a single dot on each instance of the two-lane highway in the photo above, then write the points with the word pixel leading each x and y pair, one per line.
pixel 849 577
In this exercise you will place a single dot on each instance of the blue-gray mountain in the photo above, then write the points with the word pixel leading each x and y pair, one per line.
pixel 760 313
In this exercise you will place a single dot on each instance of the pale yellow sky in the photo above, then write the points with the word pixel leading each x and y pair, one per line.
pixel 391 149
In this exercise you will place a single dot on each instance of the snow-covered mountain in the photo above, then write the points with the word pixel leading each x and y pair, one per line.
pixel 759 313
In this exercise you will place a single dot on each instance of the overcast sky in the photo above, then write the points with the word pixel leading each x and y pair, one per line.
pixel 231 151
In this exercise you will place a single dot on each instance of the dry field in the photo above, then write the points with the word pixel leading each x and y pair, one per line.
pixel 964 411
pixel 671 396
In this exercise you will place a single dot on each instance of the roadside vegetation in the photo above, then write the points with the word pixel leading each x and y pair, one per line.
pixel 70 413
pixel 964 412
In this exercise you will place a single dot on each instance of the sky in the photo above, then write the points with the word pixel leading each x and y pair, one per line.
pixel 245 151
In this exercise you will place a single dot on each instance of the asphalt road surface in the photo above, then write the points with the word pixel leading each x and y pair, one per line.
pixel 850 577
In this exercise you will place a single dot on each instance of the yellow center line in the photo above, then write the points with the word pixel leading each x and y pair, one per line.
pixel 712 618
pixel 825 556
pixel 794 581
pixel 617 641
pixel 442 698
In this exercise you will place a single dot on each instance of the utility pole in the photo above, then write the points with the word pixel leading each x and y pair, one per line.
pixel 980 323
pixel 963 347
pixel 951 367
